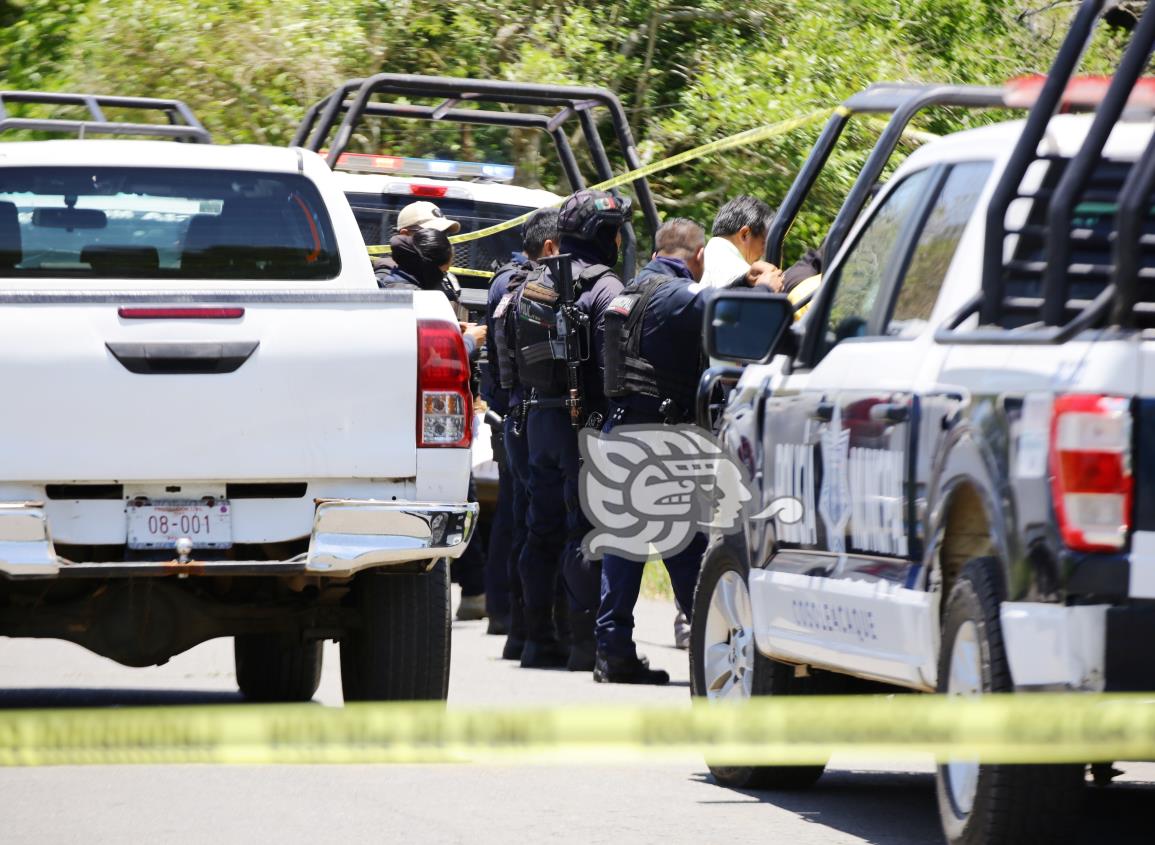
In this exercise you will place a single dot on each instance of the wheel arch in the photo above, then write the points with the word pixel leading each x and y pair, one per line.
pixel 963 531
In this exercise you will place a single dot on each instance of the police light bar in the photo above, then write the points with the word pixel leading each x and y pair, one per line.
pixel 1082 92
pixel 429 167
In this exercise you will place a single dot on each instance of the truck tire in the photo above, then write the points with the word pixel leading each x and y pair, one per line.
pixel 721 629
pixel 400 652
pixel 269 668
pixel 981 804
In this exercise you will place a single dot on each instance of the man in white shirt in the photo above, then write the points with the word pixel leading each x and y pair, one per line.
pixel 738 242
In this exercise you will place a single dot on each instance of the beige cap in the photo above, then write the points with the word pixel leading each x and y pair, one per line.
pixel 426 215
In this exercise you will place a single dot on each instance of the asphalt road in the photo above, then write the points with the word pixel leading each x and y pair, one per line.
pixel 467 804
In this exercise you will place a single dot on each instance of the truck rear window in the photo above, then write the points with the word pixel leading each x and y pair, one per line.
pixel 377 216
pixel 158 223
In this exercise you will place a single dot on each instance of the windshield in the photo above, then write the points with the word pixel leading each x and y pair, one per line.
pixel 161 223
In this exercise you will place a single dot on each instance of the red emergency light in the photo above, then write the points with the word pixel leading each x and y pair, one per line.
pixel 367 161
pixel 434 191
pixel 1082 92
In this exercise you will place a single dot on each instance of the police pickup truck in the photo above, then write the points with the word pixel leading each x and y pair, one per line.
pixel 216 423
pixel 967 415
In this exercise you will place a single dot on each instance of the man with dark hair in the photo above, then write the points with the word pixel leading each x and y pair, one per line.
pixel 505 396
pixel 738 242
pixel 589 225
pixel 653 362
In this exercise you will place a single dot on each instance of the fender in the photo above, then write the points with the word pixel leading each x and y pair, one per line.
pixel 966 462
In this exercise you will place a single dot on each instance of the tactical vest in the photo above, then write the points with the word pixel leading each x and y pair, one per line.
pixel 540 350
pixel 504 315
pixel 627 372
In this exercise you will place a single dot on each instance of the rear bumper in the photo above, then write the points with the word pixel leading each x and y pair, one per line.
pixel 1092 648
pixel 348 535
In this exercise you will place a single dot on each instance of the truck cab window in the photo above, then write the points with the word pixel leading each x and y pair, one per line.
pixel 870 262
pixel 936 248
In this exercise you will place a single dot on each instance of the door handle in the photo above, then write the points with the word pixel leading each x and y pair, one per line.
pixel 177 358
pixel 891 412
pixel 823 412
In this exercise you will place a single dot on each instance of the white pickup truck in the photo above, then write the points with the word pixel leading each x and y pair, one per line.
pixel 217 425
pixel 967 415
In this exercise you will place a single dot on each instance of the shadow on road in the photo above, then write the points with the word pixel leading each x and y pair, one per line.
pixel 898 808
pixel 892 807
pixel 67 697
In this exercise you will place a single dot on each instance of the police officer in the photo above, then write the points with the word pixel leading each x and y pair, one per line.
pixel 589 225
pixel 505 396
pixel 653 362
pixel 420 261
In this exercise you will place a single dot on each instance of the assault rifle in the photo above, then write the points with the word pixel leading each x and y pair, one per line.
pixel 571 324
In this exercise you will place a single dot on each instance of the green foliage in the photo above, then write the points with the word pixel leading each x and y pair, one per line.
pixel 687 72
pixel 35 35
pixel 247 67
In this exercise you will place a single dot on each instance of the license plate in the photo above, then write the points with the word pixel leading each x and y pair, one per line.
pixel 158 525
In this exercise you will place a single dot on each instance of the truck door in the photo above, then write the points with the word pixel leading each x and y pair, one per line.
pixel 806 435
pixel 863 608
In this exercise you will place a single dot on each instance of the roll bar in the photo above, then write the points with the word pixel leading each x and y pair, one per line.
pixel 903 102
pixel 182 123
pixel 572 100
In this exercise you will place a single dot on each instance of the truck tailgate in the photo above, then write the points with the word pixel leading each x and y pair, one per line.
pixel 321 387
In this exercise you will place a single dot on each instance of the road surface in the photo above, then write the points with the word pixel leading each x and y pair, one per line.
pixel 454 804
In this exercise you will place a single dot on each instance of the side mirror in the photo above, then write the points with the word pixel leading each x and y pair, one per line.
pixel 746 326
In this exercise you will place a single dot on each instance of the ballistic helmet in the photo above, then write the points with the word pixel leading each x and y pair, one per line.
pixel 585 212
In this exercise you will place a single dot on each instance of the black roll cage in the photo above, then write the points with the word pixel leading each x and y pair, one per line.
pixel 903 102
pixel 348 104
pixel 308 135
pixel 1118 299
pixel 183 124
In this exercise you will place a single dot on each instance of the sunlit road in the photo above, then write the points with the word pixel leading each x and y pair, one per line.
pixel 588 804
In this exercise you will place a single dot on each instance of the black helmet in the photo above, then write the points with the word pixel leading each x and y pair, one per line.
pixel 585 212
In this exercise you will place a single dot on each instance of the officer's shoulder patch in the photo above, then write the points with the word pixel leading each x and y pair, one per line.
pixel 623 304
pixel 538 292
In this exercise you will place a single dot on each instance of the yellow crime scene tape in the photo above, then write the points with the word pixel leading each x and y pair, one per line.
pixel 1028 728
pixel 739 139
pixel 749 136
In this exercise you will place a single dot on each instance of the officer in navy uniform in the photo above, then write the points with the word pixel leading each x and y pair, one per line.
pixel 654 359
pixel 589 225
pixel 505 396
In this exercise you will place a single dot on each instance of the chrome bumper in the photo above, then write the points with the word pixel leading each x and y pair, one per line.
pixel 348 536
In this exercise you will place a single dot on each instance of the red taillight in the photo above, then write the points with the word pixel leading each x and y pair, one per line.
pixel 1091 481
pixel 434 191
pixel 444 403
pixel 181 313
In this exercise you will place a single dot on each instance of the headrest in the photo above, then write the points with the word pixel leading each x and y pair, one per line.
pixel 118 260
pixel 260 222
pixel 11 249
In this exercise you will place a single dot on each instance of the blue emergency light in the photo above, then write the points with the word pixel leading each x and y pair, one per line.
pixel 431 167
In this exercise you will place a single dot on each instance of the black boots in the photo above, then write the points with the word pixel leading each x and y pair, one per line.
pixel 544 654
pixel 581 644
pixel 627 670
pixel 514 645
